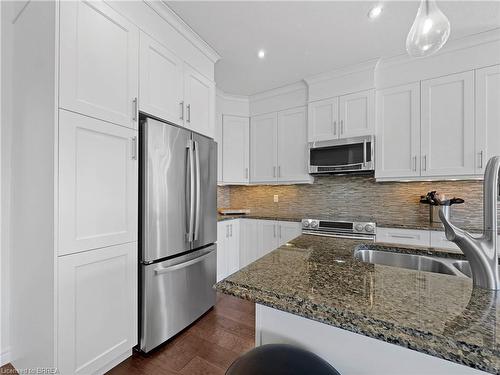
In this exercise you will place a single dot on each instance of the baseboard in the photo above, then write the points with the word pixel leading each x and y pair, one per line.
pixel 4 357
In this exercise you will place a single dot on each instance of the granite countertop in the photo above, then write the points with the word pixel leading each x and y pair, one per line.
pixel 423 225
pixel 259 217
pixel 318 278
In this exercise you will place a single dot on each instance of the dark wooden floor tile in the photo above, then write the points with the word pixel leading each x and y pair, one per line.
pixel 199 366
pixel 207 347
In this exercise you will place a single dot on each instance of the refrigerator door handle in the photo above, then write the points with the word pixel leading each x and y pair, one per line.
pixel 161 270
pixel 198 191
pixel 190 234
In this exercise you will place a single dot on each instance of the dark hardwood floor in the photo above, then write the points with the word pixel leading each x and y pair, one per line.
pixel 208 347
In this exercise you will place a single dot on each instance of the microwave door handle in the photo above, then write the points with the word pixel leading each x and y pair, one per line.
pixel 198 191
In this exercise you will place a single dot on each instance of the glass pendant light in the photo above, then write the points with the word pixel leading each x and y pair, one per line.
pixel 429 31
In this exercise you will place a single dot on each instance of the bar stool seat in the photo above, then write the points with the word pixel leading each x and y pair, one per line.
pixel 280 359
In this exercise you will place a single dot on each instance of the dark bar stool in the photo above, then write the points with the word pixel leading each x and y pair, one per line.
pixel 280 359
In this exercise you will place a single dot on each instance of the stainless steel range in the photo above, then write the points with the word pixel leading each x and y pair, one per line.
pixel 364 230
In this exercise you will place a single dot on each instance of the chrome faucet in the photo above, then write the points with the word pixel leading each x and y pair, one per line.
pixel 482 252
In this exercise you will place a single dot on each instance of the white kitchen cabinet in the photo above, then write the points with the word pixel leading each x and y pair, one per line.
pixel 199 102
pixel 323 120
pixel 357 114
pixel 228 248
pixel 447 125
pixel 98 62
pixel 287 231
pixel 398 131
pixel 97 183
pixel 292 145
pixel 97 308
pixel 249 241
pixel 268 236
pixel 263 144
pixel 403 236
pixel 487 115
pixel 161 90
pixel 235 149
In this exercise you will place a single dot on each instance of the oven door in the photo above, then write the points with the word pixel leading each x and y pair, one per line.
pixel 342 155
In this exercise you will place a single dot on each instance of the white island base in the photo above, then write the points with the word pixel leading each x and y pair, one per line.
pixel 350 353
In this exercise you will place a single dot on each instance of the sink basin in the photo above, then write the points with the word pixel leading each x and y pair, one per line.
pixel 409 261
pixel 463 266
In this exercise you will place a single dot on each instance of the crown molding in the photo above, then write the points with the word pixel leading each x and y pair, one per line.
pixel 282 90
pixel 344 71
pixel 452 46
pixel 168 15
pixel 233 97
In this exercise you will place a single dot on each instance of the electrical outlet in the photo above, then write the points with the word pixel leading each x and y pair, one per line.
pixel 276 198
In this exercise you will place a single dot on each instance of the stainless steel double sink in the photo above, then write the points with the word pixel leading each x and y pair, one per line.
pixel 426 263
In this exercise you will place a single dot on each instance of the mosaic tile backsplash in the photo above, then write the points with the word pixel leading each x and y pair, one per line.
pixel 356 196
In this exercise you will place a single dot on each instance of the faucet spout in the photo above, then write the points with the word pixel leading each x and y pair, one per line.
pixel 482 252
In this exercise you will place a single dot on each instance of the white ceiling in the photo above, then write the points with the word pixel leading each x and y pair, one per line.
pixel 305 38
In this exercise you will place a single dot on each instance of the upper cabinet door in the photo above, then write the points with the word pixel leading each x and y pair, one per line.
pixel 357 114
pixel 323 120
pixel 448 125
pixel 98 62
pixel 97 183
pixel 487 115
pixel 263 140
pixel 161 81
pixel 292 145
pixel 398 131
pixel 235 149
pixel 199 101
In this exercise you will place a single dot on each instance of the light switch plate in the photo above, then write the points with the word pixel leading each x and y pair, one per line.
pixel 276 198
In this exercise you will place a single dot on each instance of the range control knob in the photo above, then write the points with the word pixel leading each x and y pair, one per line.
pixel 369 228
pixel 359 227
pixel 305 223
pixel 314 224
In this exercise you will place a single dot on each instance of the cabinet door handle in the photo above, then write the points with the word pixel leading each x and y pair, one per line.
pixel 481 154
pixel 415 163
pixel 188 113
pixel 136 109
pixel 274 230
pixel 134 148
pixel 335 128
pixel 182 110
pixel 246 173
pixel 424 160
pixel 231 230
pixel 403 236
pixel 227 231
pixel 341 126
pixel 279 231
pixel 274 171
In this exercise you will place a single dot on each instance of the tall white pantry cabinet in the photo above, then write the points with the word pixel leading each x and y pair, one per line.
pixel 74 89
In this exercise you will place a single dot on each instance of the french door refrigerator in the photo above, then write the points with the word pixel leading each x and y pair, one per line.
pixel 178 229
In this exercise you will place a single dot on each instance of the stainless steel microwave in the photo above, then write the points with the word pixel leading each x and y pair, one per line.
pixel 347 155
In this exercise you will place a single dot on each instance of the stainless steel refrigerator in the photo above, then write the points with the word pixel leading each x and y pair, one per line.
pixel 178 229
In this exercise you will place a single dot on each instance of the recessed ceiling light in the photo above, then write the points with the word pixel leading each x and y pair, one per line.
pixel 261 54
pixel 375 12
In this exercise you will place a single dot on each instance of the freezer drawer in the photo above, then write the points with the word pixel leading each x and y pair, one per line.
pixel 174 294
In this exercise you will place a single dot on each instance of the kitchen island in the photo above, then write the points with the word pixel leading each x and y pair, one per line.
pixel 312 292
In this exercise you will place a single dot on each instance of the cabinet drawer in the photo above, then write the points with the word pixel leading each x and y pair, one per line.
pixel 403 236
pixel 439 240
